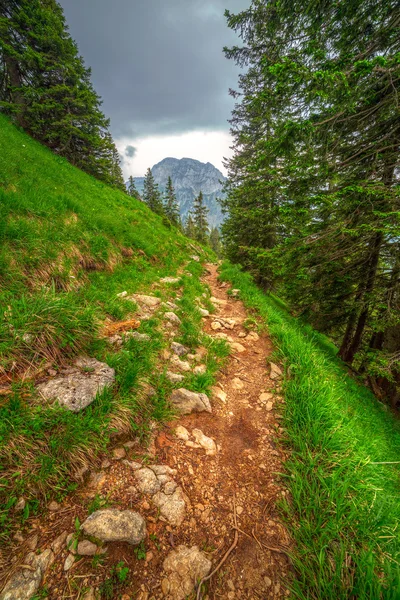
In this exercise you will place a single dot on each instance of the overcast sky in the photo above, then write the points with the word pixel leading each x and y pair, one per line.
pixel 160 69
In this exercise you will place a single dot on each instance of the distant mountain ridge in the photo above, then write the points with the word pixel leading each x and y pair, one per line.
pixel 189 177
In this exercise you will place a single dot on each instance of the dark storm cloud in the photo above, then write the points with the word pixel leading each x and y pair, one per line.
pixel 130 151
pixel 158 64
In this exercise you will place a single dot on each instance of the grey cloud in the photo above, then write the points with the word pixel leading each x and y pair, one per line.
pixel 158 64
pixel 130 151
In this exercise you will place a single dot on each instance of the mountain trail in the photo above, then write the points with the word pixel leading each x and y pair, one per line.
pixel 206 491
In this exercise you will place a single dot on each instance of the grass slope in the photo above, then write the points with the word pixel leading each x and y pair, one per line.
pixel 68 245
pixel 343 473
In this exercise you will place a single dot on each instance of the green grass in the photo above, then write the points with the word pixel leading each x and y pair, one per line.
pixel 68 245
pixel 344 511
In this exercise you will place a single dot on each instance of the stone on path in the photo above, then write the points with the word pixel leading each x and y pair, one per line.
pixel 112 525
pixel 119 453
pixel 253 335
pixel 149 301
pixel 218 393
pixel 204 312
pixel 238 347
pixel 69 561
pixel 59 542
pixel 76 387
pixel 87 548
pixel 186 402
pixel 184 568
pixel 170 279
pixel 174 377
pixel 173 318
pixel 216 325
pixel 181 365
pixel 182 433
pixel 179 349
pixel 275 372
pixel 24 583
pixel 264 397
pixel 237 383
pixel 147 481
pixel 139 337
pixel 89 595
pixel 218 301
pixel 205 442
pixel 172 506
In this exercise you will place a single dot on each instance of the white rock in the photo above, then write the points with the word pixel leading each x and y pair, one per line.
pixel 87 548
pixel 184 568
pixel 170 280
pixel 24 583
pixel 218 393
pixel 275 372
pixel 172 317
pixel 264 397
pixel 253 336
pixel 174 377
pixel 205 442
pixel 179 349
pixel 139 337
pixel 216 325
pixel 149 301
pixel 172 506
pixel 237 383
pixel 69 561
pixel 237 347
pixel 77 387
pixel 147 481
pixel 182 433
pixel 112 525
pixel 204 312
pixel 186 402
pixel 200 369
pixel 122 294
pixel 195 258
pixel 181 365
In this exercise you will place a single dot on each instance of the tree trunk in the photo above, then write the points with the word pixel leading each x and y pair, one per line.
pixel 352 347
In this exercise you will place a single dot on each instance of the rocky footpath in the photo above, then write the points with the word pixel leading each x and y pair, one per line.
pixel 201 498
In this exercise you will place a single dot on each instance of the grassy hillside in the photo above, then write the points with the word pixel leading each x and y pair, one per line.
pixel 344 468
pixel 68 245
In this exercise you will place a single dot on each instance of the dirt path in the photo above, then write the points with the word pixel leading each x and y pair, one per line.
pixel 239 482
pixel 243 471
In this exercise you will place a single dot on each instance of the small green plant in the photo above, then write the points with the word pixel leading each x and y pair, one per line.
pixel 155 540
pixel 118 577
pixel 97 503
pixel 140 551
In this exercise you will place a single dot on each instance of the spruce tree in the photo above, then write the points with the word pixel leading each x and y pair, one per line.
pixel 190 229
pixel 132 191
pixel 313 183
pixel 200 212
pixel 151 193
pixel 171 207
pixel 46 88
pixel 215 241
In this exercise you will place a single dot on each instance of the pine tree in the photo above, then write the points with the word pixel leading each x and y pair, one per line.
pixel 312 188
pixel 190 229
pixel 200 212
pixel 46 88
pixel 171 207
pixel 215 241
pixel 132 191
pixel 151 193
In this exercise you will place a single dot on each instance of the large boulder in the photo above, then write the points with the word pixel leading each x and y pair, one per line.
pixel 76 387
pixel 25 582
pixel 186 402
pixel 112 525
pixel 184 568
